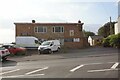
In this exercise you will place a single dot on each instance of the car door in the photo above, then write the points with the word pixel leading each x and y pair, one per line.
pixel 54 46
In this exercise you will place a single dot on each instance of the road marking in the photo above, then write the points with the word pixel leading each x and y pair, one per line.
pixel 111 62
pixel 13 76
pixel 36 71
pixel 74 69
pixel 21 75
pixel 9 71
pixel 37 75
pixel 101 70
pixel 92 63
pixel 115 65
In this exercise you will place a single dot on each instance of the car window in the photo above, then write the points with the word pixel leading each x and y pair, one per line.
pixel 45 43
pixel 2 48
pixel 5 46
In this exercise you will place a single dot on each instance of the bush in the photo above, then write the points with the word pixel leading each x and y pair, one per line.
pixel 98 44
pixel 112 41
pixel 106 42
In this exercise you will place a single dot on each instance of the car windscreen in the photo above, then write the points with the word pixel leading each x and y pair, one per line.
pixel 2 48
pixel 46 43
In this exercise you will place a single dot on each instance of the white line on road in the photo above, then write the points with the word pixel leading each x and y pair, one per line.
pixel 9 71
pixel 22 75
pixel 36 71
pixel 101 70
pixel 37 75
pixel 92 63
pixel 74 69
pixel 115 65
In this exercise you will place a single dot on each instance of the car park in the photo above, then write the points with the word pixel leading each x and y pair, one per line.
pixel 4 53
pixel 13 49
pixel 49 46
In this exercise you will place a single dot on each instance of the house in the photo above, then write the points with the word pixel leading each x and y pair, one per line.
pixel 94 40
pixel 69 34
pixel 117 26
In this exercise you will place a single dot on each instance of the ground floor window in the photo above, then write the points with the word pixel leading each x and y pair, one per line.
pixel 76 39
pixel 68 40
pixel 72 40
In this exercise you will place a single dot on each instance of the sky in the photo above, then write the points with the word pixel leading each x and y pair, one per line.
pixel 93 13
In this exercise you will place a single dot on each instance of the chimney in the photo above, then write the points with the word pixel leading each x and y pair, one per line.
pixel 33 21
pixel 79 21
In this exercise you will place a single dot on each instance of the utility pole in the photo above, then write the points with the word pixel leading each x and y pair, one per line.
pixel 111 32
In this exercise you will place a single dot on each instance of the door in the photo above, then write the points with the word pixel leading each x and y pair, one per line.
pixel 54 47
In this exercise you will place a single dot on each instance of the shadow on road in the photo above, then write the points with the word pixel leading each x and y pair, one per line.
pixel 8 63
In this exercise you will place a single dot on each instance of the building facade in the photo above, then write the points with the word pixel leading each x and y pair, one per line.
pixel 70 34
pixel 94 40
pixel 117 26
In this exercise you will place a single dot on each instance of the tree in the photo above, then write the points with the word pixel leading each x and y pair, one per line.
pixel 88 33
pixel 112 41
pixel 106 30
pixel 101 32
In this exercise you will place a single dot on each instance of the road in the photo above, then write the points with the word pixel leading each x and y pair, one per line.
pixel 72 67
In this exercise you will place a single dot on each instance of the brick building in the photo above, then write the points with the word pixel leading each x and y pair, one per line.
pixel 70 34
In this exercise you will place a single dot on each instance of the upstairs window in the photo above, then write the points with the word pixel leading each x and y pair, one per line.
pixel 71 32
pixel 40 29
pixel 58 29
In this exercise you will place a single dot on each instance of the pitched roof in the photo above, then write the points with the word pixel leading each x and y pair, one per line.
pixel 96 37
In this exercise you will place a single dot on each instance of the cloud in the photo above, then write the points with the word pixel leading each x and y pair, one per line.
pixel 7 35
pixel 50 11
pixel 92 27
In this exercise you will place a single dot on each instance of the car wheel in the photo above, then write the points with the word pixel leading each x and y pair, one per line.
pixel 58 49
pixel 3 59
pixel 50 51
pixel 39 52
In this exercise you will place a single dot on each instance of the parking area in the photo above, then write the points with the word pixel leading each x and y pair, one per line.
pixel 32 55
pixel 88 70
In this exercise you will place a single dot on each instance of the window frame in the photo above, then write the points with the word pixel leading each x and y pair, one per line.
pixel 71 32
pixel 44 29
pixel 61 29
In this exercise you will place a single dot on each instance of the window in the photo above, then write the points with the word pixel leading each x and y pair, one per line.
pixel 36 29
pixel 69 40
pixel 71 32
pixel 76 39
pixel 40 29
pixel 58 29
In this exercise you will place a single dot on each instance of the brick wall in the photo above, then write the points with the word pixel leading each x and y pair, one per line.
pixel 28 30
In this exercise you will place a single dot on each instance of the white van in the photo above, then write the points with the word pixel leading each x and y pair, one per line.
pixel 49 46
pixel 28 42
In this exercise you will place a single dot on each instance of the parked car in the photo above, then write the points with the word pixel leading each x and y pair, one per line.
pixel 28 42
pixel 49 46
pixel 4 53
pixel 13 49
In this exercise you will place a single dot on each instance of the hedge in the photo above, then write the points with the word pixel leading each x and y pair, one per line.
pixel 112 41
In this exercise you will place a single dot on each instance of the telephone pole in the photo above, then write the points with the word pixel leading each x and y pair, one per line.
pixel 111 31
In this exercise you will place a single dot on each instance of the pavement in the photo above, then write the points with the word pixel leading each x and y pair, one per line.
pixel 32 55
